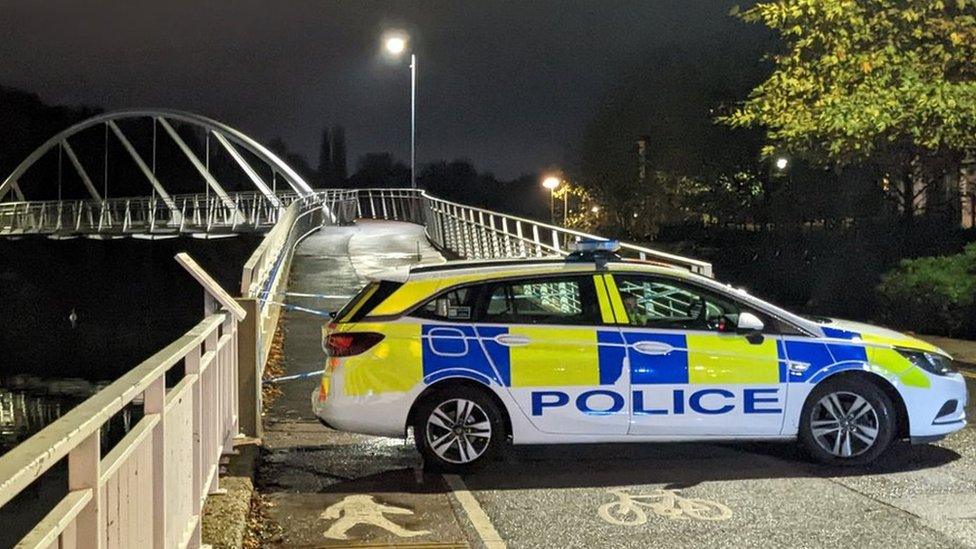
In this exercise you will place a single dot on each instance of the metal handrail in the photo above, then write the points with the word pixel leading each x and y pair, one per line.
pixel 478 233
pixel 467 231
pixel 189 213
pixel 265 274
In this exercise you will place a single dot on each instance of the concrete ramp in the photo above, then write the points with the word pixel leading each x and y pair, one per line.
pixel 308 470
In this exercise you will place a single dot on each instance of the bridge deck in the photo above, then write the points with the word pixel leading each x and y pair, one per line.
pixel 552 496
pixel 301 458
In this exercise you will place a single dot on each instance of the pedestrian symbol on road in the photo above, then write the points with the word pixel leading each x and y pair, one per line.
pixel 363 509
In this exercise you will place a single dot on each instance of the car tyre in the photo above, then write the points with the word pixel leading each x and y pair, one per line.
pixel 458 429
pixel 847 421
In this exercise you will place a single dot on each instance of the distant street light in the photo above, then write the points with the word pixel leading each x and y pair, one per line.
pixel 782 162
pixel 551 183
pixel 396 45
pixel 595 209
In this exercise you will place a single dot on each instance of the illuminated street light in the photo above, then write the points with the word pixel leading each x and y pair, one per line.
pixel 551 183
pixel 782 162
pixel 396 45
pixel 595 209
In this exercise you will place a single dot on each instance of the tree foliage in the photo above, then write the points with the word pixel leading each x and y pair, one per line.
pixel 932 294
pixel 861 79
pixel 670 97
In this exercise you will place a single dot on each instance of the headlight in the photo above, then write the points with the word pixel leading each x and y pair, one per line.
pixel 930 362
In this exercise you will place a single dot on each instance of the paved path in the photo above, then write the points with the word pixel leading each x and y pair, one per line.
pixel 922 496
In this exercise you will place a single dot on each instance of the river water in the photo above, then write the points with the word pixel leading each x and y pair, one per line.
pixel 24 411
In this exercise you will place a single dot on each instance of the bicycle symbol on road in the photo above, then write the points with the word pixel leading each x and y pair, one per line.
pixel 629 509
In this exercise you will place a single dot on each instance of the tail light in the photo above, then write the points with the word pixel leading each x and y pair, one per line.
pixel 351 343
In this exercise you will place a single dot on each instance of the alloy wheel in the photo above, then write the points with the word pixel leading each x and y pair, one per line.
pixel 458 431
pixel 844 424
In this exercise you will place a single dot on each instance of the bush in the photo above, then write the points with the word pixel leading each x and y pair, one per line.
pixel 933 295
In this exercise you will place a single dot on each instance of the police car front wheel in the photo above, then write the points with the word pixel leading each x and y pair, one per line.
pixel 847 422
pixel 456 430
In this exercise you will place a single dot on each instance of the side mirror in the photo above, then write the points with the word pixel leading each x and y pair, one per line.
pixel 749 324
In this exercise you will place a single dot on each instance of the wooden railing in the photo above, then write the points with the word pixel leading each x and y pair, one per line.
pixel 148 490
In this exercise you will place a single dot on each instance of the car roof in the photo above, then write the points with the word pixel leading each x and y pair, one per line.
pixel 529 266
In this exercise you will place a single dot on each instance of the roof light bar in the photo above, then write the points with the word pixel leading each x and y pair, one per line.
pixel 597 251
pixel 584 246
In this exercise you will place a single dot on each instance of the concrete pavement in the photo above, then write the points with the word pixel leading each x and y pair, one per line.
pixel 336 489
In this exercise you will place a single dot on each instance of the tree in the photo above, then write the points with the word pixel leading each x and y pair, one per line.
pixel 870 82
pixel 326 168
pixel 339 169
pixel 380 170
pixel 670 96
pixel 295 161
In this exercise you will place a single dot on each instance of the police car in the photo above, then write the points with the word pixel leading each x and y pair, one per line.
pixel 471 354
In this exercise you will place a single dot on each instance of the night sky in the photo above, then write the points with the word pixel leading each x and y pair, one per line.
pixel 508 85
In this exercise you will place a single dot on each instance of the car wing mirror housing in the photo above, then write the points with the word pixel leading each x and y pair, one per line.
pixel 749 324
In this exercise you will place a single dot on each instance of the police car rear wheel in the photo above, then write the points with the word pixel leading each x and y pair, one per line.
pixel 457 430
pixel 847 422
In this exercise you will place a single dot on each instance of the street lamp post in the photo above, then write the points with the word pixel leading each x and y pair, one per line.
pixel 551 183
pixel 413 121
pixel 396 44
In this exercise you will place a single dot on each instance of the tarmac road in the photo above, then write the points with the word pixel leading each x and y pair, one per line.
pixel 324 485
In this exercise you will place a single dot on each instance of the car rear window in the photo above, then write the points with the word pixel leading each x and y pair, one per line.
pixel 366 300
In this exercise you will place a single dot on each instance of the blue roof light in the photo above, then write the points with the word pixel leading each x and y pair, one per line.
pixel 584 246
pixel 598 251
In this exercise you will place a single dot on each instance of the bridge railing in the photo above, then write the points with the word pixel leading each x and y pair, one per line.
pixel 476 233
pixel 264 281
pixel 152 215
pixel 148 490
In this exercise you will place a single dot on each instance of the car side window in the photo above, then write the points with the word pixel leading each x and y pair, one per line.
pixel 556 300
pixel 454 306
pixel 658 302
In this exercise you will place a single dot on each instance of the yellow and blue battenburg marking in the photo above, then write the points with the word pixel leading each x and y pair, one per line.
pixel 695 359
pixel 456 351
pixel 822 359
pixel 581 356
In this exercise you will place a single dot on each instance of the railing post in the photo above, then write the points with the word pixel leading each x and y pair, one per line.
pixel 470 234
pixel 458 239
pixel 495 248
pixel 84 473
pixel 155 403
pixel 191 364
pixel 482 235
pixel 441 224
pixel 249 377
pixel 521 239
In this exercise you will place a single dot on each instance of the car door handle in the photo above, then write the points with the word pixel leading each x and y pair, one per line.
pixel 512 340
pixel 652 348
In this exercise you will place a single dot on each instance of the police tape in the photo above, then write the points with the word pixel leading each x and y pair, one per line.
pixel 293 377
pixel 288 307
pixel 317 296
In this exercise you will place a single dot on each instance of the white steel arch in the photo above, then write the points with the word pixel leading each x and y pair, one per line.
pixel 229 138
